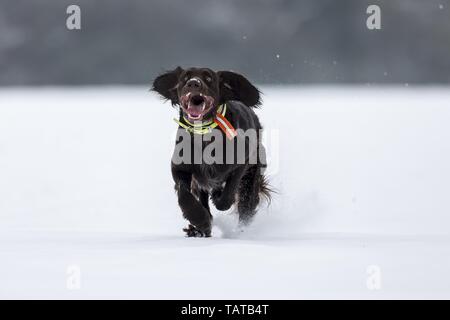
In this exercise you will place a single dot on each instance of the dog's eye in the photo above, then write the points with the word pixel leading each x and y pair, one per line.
pixel 208 79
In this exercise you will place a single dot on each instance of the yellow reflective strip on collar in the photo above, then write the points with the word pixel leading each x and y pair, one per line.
pixel 181 123
pixel 224 109
pixel 199 124
pixel 196 130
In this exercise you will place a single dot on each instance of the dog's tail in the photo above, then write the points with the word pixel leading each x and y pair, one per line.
pixel 265 190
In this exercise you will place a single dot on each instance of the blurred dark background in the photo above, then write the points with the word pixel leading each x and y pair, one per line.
pixel 278 41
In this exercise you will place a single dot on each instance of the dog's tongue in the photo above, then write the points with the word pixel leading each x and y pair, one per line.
pixel 196 107
pixel 195 110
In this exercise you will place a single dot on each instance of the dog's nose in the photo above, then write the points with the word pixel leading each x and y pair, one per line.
pixel 194 83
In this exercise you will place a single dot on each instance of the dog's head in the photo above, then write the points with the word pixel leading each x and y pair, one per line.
pixel 200 91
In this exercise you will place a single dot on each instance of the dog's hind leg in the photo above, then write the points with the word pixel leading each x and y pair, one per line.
pixel 193 210
pixel 249 189
pixel 225 197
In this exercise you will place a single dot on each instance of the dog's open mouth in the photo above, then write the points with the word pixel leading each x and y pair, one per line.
pixel 196 105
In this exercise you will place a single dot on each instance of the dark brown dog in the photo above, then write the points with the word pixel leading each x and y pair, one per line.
pixel 215 104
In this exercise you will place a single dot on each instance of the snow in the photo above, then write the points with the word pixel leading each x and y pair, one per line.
pixel 363 182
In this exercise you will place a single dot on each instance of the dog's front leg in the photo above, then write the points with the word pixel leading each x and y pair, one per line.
pixel 198 216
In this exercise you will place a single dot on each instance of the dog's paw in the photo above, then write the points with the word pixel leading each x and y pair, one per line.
pixel 216 194
pixel 192 231
pixel 221 201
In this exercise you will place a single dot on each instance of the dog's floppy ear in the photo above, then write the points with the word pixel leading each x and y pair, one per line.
pixel 166 84
pixel 234 86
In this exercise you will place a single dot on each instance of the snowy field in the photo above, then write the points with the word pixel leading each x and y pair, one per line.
pixel 362 210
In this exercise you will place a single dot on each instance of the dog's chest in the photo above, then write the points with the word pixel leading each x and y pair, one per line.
pixel 207 178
